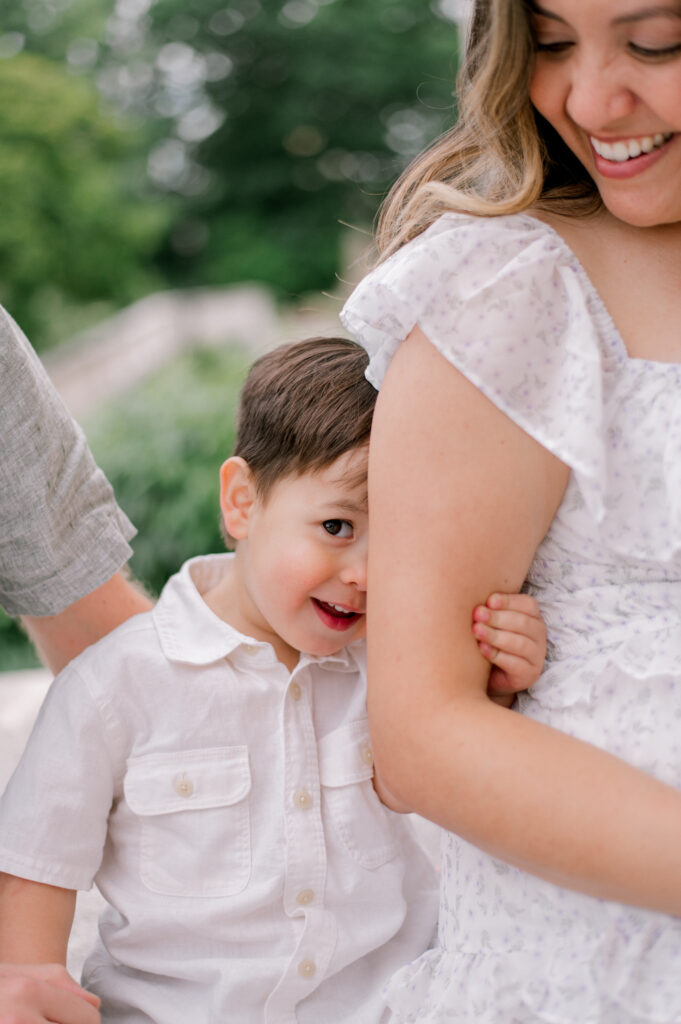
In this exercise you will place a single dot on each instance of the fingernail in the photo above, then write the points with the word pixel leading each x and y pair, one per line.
pixel 495 601
pixel 481 614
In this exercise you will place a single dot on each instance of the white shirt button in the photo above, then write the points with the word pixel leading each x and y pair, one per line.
pixel 183 786
pixel 367 754
pixel 250 649
pixel 296 691
pixel 305 897
pixel 307 968
pixel 302 799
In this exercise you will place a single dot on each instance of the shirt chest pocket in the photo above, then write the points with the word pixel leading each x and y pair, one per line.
pixel 194 820
pixel 346 769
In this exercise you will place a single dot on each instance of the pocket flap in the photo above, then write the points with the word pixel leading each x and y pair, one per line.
pixel 345 755
pixel 186 780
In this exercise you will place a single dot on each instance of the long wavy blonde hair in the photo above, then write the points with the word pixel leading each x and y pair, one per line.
pixel 502 156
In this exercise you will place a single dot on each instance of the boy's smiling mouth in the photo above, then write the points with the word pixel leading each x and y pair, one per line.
pixel 336 616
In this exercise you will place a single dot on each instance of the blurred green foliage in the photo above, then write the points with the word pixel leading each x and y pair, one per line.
pixel 74 243
pixel 260 128
pixel 162 446
pixel 15 650
pixel 278 121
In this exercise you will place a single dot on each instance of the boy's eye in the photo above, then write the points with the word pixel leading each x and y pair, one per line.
pixel 338 527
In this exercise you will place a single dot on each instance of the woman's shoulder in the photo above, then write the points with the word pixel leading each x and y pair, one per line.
pixel 465 265
pixel 466 240
pixel 506 303
pixel 461 253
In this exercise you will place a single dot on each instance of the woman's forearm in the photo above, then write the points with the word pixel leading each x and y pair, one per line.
pixel 549 804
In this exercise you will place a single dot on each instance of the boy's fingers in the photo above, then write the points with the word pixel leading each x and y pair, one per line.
pixel 506 643
pixel 514 602
pixel 29 995
pixel 64 1007
pixel 58 975
pixel 513 622
pixel 510 674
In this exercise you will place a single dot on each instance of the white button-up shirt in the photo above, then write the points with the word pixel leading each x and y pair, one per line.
pixel 224 806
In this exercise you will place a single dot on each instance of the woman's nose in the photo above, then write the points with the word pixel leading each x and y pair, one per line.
pixel 599 97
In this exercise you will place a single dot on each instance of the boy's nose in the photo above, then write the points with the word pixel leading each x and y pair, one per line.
pixel 354 571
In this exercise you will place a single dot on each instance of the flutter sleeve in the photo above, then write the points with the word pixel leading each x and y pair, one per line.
pixel 505 302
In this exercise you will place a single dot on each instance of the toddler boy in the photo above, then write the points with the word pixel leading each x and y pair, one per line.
pixel 209 765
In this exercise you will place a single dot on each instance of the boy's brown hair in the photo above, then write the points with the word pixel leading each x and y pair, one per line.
pixel 302 406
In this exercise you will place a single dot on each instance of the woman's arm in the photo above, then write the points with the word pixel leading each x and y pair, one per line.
pixel 460 499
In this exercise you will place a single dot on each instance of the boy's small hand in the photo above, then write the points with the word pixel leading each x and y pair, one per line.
pixel 37 993
pixel 511 634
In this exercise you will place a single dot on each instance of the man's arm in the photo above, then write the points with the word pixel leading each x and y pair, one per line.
pixel 59 638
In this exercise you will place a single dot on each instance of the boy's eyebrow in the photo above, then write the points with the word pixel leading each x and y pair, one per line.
pixel 348 504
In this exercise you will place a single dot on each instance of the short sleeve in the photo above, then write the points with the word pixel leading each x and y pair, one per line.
pixel 504 300
pixel 54 811
pixel 61 532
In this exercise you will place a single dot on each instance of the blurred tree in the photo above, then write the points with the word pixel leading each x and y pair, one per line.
pixel 73 236
pixel 64 30
pixel 279 119
pixel 162 446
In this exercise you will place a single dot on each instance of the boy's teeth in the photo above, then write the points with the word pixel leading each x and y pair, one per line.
pixel 619 152
pixel 339 609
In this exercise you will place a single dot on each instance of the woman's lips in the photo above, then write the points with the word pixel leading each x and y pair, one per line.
pixel 615 159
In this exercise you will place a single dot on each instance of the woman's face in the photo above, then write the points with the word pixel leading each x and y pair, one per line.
pixel 608 78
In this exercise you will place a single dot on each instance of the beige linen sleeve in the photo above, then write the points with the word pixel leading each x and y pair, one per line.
pixel 61 531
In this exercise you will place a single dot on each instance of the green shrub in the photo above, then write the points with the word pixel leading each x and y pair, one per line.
pixel 15 650
pixel 162 447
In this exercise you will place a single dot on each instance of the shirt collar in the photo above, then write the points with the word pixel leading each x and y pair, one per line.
pixel 190 632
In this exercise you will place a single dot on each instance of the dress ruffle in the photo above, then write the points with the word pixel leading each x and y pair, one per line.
pixel 508 304
pixel 619 980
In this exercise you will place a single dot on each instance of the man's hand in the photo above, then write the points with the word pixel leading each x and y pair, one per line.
pixel 511 634
pixel 43 993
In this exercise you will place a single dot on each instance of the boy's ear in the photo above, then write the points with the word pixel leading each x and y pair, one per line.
pixel 237 496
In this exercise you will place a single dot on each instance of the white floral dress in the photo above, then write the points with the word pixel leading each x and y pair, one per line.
pixel 508 304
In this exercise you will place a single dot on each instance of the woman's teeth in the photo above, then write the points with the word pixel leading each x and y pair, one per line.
pixel 620 151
